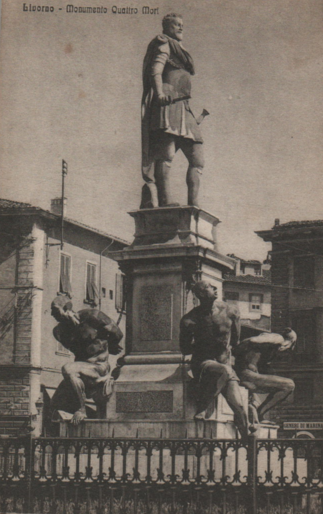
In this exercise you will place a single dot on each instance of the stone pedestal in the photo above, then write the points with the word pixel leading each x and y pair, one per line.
pixel 266 431
pixel 175 225
pixel 172 248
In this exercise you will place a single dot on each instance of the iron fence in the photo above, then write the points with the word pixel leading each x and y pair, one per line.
pixel 155 476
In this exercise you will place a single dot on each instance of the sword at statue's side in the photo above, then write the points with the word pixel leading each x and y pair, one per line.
pixel 203 114
pixel 201 117
pixel 180 99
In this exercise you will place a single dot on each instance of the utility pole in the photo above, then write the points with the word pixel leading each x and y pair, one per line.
pixel 64 173
pixel 61 244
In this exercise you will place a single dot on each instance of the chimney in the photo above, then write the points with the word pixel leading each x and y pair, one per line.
pixel 277 222
pixel 56 206
pixel 238 268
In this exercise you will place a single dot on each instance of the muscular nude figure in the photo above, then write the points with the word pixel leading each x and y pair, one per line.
pixel 208 332
pixel 252 358
pixel 91 336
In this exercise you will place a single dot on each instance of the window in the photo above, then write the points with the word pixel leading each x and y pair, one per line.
pixel 61 349
pixel 65 274
pixel 303 390
pixel 231 295
pixel 120 296
pixel 304 324
pixel 91 289
pixel 304 271
pixel 255 302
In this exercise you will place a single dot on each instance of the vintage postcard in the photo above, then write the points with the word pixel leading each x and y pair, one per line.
pixel 161 278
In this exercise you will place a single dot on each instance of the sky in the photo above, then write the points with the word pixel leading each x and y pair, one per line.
pixel 71 89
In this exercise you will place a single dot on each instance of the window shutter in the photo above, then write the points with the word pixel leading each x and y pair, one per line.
pixel 91 288
pixel 120 297
pixel 65 275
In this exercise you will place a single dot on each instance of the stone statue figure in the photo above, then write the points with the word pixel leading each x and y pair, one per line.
pixel 208 332
pixel 252 359
pixel 168 124
pixel 91 335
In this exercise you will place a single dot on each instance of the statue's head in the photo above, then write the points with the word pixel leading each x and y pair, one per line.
pixel 173 25
pixel 289 335
pixel 204 290
pixel 290 338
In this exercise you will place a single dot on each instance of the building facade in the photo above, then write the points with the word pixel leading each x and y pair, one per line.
pixel 249 286
pixel 35 267
pixel 297 301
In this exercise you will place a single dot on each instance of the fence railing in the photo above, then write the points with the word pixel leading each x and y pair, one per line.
pixel 103 476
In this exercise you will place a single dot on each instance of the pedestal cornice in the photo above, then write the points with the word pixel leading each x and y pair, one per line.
pixel 172 251
pixel 179 225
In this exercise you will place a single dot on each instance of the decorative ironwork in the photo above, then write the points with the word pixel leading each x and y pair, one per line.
pixel 116 475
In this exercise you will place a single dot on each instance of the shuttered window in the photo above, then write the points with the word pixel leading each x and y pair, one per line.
pixel 304 271
pixel 304 324
pixel 92 294
pixel 120 296
pixel 61 349
pixel 255 302
pixel 65 274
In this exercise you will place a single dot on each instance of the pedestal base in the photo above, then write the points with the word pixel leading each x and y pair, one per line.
pixel 182 429
pixel 149 429
pixel 266 431
pixel 177 423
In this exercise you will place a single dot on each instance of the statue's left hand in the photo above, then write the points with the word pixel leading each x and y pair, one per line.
pixel 62 314
pixel 73 317
pixel 78 416
pixel 285 346
pixel 164 100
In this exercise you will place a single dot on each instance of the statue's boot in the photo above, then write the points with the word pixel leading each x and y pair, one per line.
pixel 162 177
pixel 149 198
pixel 193 185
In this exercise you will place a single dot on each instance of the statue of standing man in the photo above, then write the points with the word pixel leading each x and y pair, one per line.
pixel 168 124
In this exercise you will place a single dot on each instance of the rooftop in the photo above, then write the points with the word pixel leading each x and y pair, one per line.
pixel 244 261
pixel 294 229
pixel 248 279
pixel 292 224
pixel 10 206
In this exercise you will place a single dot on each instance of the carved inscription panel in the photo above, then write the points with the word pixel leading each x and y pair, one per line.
pixel 156 313
pixel 145 401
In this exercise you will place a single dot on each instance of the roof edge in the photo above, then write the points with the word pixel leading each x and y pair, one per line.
pixel 25 209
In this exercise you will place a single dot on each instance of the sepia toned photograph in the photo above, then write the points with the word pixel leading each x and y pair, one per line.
pixel 161 257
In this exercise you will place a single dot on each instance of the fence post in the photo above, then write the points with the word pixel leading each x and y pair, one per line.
pixel 29 470
pixel 252 472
